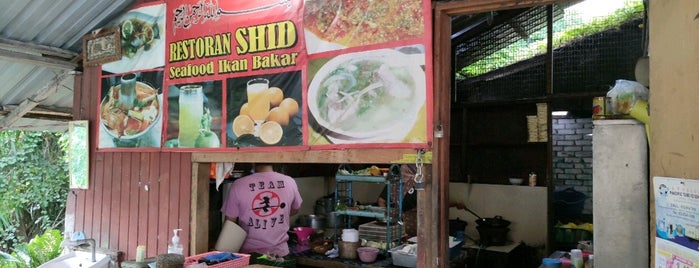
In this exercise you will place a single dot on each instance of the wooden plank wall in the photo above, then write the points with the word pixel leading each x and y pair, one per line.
pixel 134 198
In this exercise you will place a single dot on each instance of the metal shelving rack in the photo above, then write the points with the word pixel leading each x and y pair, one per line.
pixel 392 213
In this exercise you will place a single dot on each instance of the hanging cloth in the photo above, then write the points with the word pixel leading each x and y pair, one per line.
pixel 223 169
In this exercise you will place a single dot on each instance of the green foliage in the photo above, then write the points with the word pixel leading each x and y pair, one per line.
pixel 565 31
pixel 629 12
pixel 33 185
pixel 39 250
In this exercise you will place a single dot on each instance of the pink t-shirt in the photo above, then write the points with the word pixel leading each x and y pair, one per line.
pixel 262 202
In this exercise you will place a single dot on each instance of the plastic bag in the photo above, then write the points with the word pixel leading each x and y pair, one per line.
pixel 624 95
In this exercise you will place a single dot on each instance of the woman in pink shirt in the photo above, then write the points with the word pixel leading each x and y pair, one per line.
pixel 262 204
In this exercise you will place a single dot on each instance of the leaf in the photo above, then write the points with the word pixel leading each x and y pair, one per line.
pixel 34 185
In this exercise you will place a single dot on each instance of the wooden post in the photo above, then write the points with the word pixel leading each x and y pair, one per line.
pixel 199 232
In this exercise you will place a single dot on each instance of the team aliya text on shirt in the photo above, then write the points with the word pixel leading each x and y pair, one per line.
pixel 267 206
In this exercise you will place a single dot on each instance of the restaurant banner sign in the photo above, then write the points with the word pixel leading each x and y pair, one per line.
pixel 269 75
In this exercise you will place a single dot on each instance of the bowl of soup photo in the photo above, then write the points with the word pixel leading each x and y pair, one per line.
pixel 368 94
pixel 129 122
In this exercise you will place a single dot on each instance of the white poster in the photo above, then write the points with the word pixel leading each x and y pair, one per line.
pixel 676 222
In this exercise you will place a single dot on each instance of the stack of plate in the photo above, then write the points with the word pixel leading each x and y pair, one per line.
pixel 542 123
pixel 532 128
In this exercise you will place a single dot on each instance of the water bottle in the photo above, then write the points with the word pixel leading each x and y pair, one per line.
pixel 576 258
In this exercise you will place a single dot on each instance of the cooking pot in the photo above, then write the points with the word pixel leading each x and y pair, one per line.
pixel 313 221
pixel 492 236
pixel 456 225
pixel 325 205
pixel 496 221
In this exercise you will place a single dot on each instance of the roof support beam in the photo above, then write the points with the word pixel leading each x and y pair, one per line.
pixel 42 112
pixel 27 105
pixel 37 60
pixel 11 44
pixel 51 57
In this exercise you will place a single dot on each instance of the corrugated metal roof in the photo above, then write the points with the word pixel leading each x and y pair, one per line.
pixel 32 31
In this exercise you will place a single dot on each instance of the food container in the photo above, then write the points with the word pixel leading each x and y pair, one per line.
pixel 400 257
pixel 303 234
pixel 551 263
pixel 565 235
pixel 348 250
pixel 350 235
pixel 454 247
pixel 568 202
pixel 598 107
pixel 374 231
pixel 515 181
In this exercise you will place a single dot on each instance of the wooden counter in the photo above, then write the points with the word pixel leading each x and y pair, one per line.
pixel 310 259
pixel 338 263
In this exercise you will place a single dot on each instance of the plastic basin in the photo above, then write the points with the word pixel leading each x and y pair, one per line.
pixel 367 254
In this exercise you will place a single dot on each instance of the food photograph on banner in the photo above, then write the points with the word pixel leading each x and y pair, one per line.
pixel 338 24
pixel 254 52
pixel 131 110
pixel 373 96
pixel 264 110
pixel 194 115
pixel 142 40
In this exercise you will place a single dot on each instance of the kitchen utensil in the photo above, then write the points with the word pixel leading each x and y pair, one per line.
pixel 496 221
pixel 469 211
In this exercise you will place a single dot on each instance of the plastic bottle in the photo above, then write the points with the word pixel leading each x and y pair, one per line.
pixel 532 179
pixel 590 261
pixel 576 258
pixel 140 253
pixel 175 247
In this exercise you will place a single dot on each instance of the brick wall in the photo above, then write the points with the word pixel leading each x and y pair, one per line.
pixel 572 156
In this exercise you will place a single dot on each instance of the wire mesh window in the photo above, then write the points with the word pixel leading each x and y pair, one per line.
pixel 503 56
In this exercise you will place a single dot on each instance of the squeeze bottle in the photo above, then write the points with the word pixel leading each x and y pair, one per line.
pixel 175 247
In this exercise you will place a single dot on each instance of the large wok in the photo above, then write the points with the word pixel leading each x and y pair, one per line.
pixel 496 221
pixel 492 231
